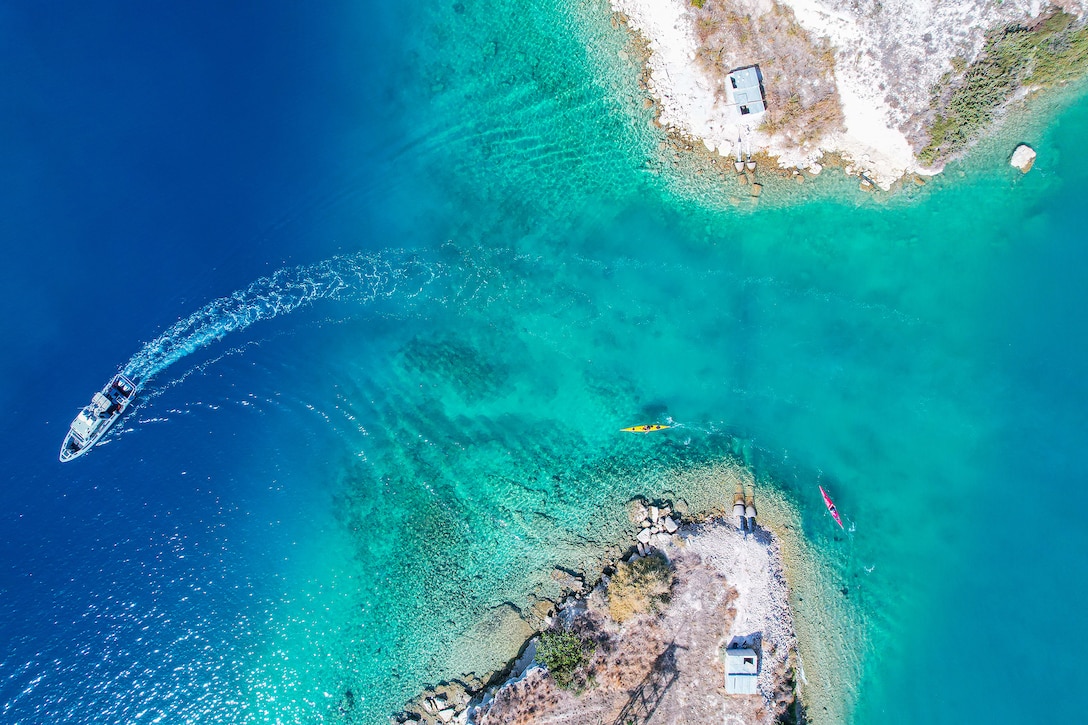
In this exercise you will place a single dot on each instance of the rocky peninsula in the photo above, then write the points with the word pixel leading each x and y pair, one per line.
pixel 887 89
pixel 649 637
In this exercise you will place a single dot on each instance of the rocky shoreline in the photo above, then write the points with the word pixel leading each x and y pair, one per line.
pixel 727 587
pixel 874 92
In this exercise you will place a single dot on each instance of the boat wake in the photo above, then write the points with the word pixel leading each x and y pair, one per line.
pixel 450 276
pixel 359 278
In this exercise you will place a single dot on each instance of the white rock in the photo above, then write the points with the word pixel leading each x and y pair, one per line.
pixel 644 536
pixel 654 514
pixel 446 715
pixel 1023 158
pixel 661 540
pixel 670 525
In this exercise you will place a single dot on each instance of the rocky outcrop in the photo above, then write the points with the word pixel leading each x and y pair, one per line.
pixel 726 587
pixel 656 523
pixel 1023 158
pixel 509 630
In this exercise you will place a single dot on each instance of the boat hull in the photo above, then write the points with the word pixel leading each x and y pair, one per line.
pixel 831 508
pixel 96 419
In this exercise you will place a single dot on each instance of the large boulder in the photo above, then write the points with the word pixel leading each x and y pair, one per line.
pixel 1023 158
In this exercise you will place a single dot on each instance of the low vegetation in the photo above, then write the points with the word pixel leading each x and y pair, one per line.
pixel 641 586
pixel 1052 51
pixel 564 654
pixel 798 70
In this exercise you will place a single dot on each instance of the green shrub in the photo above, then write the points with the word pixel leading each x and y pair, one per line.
pixel 564 654
pixel 1053 51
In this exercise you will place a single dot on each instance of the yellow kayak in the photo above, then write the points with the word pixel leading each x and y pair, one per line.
pixel 643 428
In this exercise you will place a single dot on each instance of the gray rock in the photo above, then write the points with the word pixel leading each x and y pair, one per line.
pixel 644 536
pixel 446 715
pixel 670 525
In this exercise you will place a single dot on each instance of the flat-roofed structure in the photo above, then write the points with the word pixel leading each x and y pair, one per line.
pixel 741 671
pixel 745 87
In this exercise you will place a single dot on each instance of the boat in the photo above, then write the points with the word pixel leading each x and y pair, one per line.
pixel 831 507
pixel 95 419
pixel 644 428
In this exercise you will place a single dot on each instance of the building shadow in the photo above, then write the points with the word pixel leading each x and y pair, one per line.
pixel 651 691
pixel 754 642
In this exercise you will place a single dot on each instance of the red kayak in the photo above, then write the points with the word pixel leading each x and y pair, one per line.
pixel 831 508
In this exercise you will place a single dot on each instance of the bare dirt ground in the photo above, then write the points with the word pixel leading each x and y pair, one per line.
pixel 668 668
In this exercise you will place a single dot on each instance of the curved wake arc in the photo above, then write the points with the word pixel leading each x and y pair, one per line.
pixel 359 278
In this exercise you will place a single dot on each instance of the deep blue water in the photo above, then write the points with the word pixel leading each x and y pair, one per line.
pixel 155 157
pixel 462 278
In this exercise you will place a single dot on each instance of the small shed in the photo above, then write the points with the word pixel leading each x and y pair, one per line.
pixel 746 88
pixel 741 671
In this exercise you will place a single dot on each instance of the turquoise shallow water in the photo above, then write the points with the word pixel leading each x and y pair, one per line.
pixel 339 471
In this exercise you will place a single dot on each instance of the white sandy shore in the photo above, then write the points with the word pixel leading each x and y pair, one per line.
pixel 887 58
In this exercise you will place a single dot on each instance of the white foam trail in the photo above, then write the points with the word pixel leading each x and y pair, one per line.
pixel 359 278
